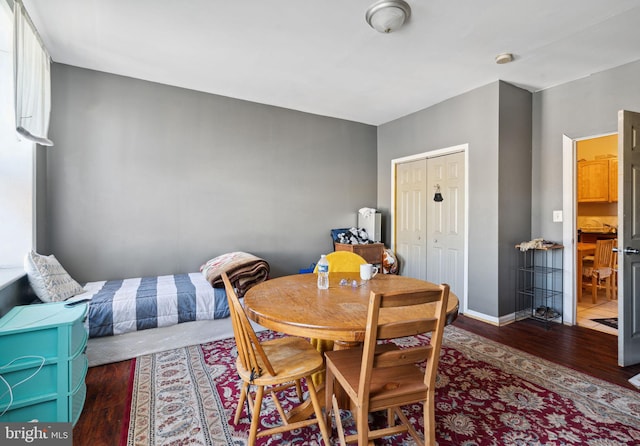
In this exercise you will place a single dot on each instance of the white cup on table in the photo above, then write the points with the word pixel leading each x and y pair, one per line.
pixel 368 271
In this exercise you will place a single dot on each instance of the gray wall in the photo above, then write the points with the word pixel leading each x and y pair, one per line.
pixel 149 179
pixel 18 292
pixel 135 186
pixel 514 199
pixel 582 108
pixel 474 118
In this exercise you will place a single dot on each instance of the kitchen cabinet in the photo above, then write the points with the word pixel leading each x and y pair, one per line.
pixel 613 179
pixel 595 181
pixel 43 360
pixel 539 284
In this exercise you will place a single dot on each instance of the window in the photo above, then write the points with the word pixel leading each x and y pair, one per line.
pixel 16 162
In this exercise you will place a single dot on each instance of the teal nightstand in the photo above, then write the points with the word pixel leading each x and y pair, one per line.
pixel 42 359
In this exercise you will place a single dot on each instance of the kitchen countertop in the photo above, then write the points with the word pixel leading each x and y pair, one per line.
pixel 603 230
pixel 591 236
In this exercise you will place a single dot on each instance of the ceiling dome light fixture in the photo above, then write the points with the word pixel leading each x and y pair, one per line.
pixel 504 58
pixel 386 16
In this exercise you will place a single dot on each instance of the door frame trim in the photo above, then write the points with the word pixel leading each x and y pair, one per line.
pixel 433 154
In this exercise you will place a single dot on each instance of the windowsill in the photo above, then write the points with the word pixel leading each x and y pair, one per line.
pixel 10 275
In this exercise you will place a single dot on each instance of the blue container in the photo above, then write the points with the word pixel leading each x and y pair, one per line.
pixel 308 270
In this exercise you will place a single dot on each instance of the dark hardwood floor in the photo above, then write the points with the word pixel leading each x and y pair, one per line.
pixel 100 423
pixel 588 351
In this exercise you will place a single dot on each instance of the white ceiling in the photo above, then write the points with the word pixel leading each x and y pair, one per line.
pixel 320 56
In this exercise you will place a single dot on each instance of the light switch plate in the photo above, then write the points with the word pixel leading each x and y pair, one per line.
pixel 557 216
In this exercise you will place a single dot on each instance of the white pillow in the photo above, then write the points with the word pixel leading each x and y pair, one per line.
pixel 48 278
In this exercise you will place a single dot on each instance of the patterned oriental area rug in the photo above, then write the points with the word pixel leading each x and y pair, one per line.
pixel 487 394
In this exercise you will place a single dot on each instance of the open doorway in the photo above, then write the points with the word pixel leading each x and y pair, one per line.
pixel 628 239
pixel 596 219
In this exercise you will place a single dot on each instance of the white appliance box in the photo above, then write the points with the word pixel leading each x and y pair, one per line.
pixel 371 224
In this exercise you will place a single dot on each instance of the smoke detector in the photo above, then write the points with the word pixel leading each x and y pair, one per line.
pixel 504 58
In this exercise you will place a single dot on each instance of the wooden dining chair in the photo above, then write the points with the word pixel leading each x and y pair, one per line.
pixel 600 271
pixel 339 262
pixel 381 376
pixel 614 276
pixel 274 365
pixel 344 262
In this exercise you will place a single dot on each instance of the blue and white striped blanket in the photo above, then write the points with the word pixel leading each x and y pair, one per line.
pixel 122 306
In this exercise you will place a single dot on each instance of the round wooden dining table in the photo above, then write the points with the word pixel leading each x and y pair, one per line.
pixel 294 304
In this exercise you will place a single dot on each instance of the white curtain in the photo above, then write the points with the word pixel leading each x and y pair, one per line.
pixel 32 80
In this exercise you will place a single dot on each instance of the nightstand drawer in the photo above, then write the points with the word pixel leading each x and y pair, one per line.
pixel 39 381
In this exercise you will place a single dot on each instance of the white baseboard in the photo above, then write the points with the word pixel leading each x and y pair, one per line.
pixel 498 321
pixel 504 320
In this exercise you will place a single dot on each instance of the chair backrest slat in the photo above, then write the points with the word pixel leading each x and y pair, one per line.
pixel 238 334
pixel 394 330
pixel 604 253
pixel 403 356
pixel 250 351
pixel 379 305
pixel 406 298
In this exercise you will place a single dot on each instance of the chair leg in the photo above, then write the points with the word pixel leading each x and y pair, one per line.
pixel 412 431
pixel 299 390
pixel 391 417
pixel 429 422
pixel 318 410
pixel 328 394
pixel 362 424
pixel 339 427
pixel 255 417
pixel 594 289
pixel 241 401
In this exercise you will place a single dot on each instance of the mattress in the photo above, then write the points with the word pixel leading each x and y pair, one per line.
pixel 123 306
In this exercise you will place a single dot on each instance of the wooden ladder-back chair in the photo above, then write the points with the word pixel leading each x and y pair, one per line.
pixel 276 365
pixel 614 276
pixel 601 269
pixel 384 377
pixel 339 262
